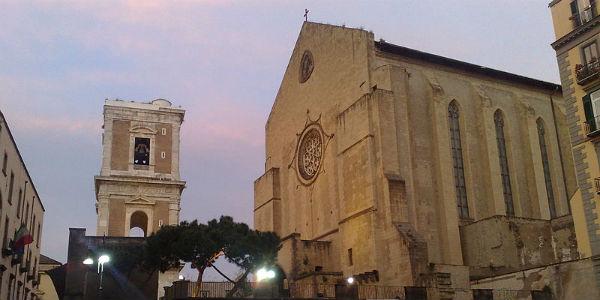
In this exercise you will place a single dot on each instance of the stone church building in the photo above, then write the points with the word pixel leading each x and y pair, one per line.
pixel 404 168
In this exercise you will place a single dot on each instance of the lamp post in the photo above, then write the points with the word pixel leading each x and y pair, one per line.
pixel 266 288
pixel 102 259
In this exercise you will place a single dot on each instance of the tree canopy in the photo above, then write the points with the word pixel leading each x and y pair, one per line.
pixel 201 244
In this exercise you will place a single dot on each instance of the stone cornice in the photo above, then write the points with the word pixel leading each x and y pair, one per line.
pixel 129 179
pixel 580 30
pixel 553 3
pixel 139 180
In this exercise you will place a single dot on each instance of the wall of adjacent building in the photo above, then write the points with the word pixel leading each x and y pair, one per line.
pixel 571 280
pixel 568 45
pixel 14 211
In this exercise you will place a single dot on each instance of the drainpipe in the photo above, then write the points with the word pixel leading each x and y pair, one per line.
pixel 562 166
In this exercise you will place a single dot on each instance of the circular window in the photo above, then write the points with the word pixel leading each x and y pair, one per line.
pixel 306 66
pixel 310 154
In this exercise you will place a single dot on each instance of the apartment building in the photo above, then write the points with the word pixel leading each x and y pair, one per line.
pixel 21 218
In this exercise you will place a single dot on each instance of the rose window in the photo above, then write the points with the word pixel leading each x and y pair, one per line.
pixel 310 153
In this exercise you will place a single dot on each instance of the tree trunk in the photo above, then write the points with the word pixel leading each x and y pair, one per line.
pixel 199 281
pixel 238 284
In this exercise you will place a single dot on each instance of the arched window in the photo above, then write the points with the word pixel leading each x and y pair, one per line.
pixel 503 158
pixel 136 232
pixel 457 159
pixel 138 224
pixel 546 165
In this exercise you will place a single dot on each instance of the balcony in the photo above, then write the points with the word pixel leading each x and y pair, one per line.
pixel 587 73
pixel 583 16
pixel 592 126
pixel 597 184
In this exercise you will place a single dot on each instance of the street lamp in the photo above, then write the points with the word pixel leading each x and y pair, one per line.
pixel 101 261
pixel 350 280
pixel 264 274
pixel 266 287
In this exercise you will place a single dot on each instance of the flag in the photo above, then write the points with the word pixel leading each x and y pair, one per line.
pixel 22 238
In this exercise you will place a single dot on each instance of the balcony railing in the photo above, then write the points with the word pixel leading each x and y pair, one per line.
pixel 588 72
pixel 592 126
pixel 597 184
pixel 583 16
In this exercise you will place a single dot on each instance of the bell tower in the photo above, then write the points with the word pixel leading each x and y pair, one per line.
pixel 139 187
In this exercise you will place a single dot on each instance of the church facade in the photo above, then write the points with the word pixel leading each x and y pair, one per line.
pixel 404 168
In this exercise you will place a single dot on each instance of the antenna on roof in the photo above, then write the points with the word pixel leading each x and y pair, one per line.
pixel 306 11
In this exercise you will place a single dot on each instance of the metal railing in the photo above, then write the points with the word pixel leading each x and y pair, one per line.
pixel 588 72
pixel 212 289
pixel 583 16
pixel 592 126
pixel 186 290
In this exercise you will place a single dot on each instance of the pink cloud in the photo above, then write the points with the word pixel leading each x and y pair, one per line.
pixel 222 126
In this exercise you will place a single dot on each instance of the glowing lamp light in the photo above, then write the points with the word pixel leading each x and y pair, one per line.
pixel 103 259
pixel 88 261
pixel 180 277
pixel 350 280
pixel 264 274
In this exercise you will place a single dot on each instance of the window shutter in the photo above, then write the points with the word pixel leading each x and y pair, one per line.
pixel 589 113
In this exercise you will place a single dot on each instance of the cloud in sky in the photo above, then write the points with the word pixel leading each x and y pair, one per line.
pixel 220 60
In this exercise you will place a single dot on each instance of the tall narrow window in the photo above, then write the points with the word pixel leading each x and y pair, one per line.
pixel 5 237
pixel 457 159
pixel 350 258
pixel 591 107
pixel 10 187
pixel 19 203
pixel 37 240
pixel 546 166
pixel 33 229
pixel 32 213
pixel 4 163
pixel 575 13
pixel 10 286
pixel 590 53
pixel 27 214
pixel 141 154
pixel 503 158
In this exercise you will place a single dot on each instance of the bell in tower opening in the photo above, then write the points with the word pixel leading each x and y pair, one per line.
pixel 141 154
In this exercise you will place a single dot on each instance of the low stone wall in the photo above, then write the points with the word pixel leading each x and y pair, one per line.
pixel 501 244
pixel 567 280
